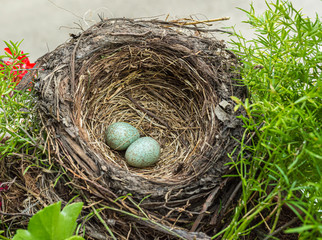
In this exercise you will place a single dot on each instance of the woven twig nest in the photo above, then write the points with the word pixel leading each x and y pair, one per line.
pixel 171 85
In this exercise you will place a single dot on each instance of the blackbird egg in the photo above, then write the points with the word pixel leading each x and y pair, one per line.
pixel 143 152
pixel 120 135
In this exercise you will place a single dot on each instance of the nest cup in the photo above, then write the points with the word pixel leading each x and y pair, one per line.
pixel 151 88
pixel 172 85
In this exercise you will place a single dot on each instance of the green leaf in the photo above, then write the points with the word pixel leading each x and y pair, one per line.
pixel 67 219
pixel 75 238
pixel 299 229
pixel 51 224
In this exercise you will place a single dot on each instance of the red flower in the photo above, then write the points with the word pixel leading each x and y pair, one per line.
pixel 20 64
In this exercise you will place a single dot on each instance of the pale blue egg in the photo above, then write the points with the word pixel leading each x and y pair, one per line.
pixel 120 135
pixel 143 152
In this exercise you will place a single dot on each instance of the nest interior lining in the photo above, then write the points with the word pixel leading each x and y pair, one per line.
pixel 158 93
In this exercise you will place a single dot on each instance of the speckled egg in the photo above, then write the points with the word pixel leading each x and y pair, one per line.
pixel 120 135
pixel 143 152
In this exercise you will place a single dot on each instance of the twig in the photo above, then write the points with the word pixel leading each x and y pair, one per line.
pixel 72 65
pixel 28 78
pixel 65 9
pixel 219 216
pixel 281 228
pixel 206 205
pixel 25 69
pixel 200 22
pixel 15 214
pixel 37 196
pixel 8 184
pixel 232 196
pixel 193 28
pixel 131 34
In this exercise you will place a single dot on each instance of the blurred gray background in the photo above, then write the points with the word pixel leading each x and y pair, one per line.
pixel 45 24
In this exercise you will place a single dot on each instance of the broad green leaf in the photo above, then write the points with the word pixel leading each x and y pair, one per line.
pixel 75 238
pixel 51 224
pixel 67 219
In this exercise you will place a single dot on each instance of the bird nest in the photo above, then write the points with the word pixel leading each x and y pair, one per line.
pixel 173 85
pixel 158 92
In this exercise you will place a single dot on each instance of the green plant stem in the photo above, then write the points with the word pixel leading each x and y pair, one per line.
pixel 104 223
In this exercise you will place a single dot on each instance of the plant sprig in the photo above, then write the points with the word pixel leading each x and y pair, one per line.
pixel 18 128
pixel 282 70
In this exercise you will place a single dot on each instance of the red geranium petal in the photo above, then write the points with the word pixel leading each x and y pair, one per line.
pixel 31 65
pixel 8 50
